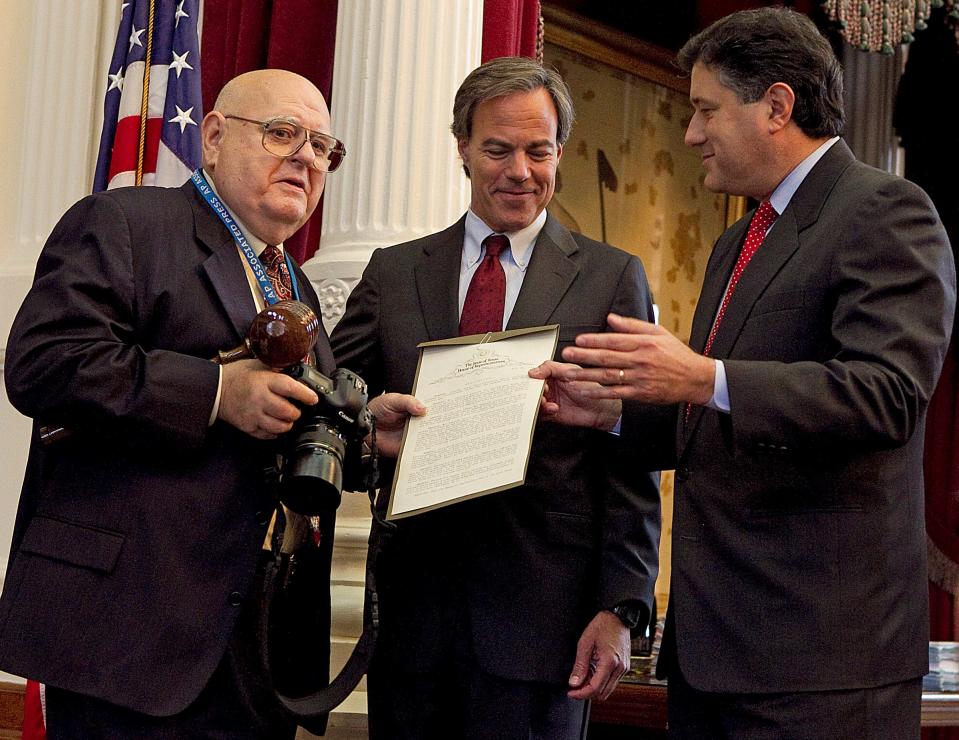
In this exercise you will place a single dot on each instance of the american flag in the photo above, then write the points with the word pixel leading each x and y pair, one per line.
pixel 167 149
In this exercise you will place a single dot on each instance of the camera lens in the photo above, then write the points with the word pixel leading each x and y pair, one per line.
pixel 313 478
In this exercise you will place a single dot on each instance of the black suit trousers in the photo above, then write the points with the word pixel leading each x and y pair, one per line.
pixel 457 699
pixel 237 703
pixel 889 712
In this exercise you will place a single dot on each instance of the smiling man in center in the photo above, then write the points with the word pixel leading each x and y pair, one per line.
pixel 501 615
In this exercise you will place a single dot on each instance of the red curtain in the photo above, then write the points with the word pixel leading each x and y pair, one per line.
pixel 298 35
pixel 942 484
pixel 510 28
pixel 942 504
pixel 932 163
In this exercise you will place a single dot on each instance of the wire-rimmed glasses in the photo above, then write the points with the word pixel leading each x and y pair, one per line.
pixel 284 138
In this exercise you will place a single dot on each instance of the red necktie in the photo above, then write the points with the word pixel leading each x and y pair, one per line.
pixel 762 219
pixel 276 269
pixel 486 297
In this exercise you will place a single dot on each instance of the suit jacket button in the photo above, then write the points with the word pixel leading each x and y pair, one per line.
pixel 682 474
pixel 236 598
pixel 262 518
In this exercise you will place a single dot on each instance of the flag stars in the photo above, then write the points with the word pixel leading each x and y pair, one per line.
pixel 135 38
pixel 179 62
pixel 116 81
pixel 179 14
pixel 183 118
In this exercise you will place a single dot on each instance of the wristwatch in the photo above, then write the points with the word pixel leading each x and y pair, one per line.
pixel 629 613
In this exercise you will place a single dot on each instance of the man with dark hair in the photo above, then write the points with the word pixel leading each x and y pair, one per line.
pixel 798 601
pixel 137 560
pixel 752 51
pixel 502 614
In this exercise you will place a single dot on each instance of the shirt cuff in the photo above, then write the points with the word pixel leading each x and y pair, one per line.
pixel 216 401
pixel 720 399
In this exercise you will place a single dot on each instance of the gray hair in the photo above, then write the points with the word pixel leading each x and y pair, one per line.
pixel 504 76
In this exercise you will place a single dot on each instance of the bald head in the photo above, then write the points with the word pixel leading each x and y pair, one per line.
pixel 273 196
pixel 252 85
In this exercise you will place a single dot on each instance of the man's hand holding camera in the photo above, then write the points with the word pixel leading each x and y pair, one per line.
pixel 260 401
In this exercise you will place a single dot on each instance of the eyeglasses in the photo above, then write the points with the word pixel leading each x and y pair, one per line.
pixel 284 138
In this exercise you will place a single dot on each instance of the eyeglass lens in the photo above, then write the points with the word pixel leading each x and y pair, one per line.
pixel 284 138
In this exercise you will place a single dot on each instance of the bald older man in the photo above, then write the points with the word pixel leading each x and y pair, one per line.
pixel 133 577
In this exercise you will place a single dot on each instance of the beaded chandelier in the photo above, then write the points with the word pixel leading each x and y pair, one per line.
pixel 879 25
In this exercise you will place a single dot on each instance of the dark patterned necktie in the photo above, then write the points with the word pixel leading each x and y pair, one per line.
pixel 486 296
pixel 277 271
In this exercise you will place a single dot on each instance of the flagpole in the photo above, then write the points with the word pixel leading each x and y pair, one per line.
pixel 145 97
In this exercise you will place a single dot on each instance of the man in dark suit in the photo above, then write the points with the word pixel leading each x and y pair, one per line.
pixel 133 580
pixel 498 613
pixel 798 601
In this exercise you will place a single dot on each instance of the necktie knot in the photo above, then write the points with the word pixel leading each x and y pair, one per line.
pixel 486 297
pixel 764 216
pixel 495 245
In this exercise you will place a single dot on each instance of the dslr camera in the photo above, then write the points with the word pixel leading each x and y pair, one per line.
pixel 324 450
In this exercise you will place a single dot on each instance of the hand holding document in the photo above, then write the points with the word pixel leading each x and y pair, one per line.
pixel 482 405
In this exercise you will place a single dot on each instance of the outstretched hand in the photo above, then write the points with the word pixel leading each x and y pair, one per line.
pixel 566 401
pixel 640 361
pixel 391 411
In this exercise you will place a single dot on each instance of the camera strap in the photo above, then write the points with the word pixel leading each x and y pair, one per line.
pixel 318 704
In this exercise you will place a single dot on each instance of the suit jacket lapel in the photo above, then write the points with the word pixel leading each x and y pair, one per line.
pixel 223 266
pixel 323 353
pixel 779 246
pixel 437 281
pixel 548 276
pixel 718 270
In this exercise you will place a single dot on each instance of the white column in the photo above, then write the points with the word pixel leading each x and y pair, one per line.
pixel 397 66
pixel 52 100
pixel 63 109
pixel 52 60
pixel 396 69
